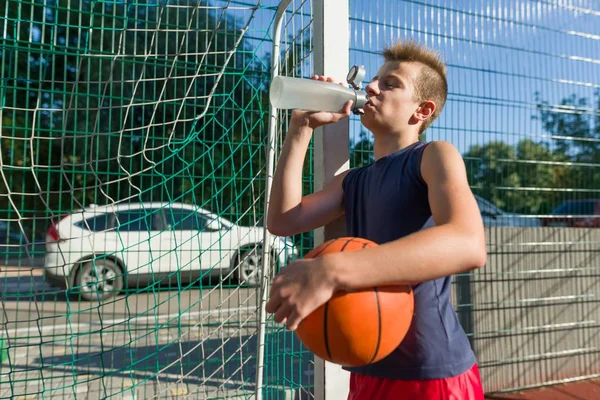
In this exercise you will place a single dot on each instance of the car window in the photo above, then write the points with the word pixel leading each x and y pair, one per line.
pixel 11 234
pixel 189 220
pixel 138 220
pixel 576 208
pixel 98 223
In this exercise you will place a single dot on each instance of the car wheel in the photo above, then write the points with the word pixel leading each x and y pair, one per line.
pixel 247 266
pixel 99 280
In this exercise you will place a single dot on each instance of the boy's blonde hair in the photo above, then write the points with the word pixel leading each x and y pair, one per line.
pixel 431 83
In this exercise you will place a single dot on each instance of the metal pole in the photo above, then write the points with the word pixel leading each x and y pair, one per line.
pixel 331 152
pixel 270 167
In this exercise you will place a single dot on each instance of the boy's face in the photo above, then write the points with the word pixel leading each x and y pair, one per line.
pixel 392 104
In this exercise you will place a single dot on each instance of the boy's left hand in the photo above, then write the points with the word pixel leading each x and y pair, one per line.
pixel 300 288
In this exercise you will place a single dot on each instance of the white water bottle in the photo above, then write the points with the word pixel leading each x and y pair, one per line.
pixel 313 95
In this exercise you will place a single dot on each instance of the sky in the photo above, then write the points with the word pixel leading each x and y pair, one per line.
pixel 499 54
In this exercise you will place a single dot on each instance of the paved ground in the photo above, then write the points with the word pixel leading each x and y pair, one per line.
pixel 582 390
pixel 197 343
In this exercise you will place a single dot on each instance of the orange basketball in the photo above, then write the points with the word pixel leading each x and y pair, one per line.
pixel 361 327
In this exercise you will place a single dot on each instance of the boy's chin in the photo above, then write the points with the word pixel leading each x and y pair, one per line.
pixel 368 120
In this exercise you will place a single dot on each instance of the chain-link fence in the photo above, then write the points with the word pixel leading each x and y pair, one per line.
pixel 133 156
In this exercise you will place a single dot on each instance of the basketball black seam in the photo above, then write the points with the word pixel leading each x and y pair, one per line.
pixel 379 325
pixel 332 241
pixel 323 249
pixel 353 240
pixel 325 333
pixel 346 244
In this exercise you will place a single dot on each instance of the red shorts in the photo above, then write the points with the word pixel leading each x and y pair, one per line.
pixel 466 386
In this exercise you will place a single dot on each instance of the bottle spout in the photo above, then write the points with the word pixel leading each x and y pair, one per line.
pixel 355 77
pixel 360 100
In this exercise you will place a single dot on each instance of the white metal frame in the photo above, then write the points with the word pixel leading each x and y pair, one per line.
pixel 331 157
pixel 331 152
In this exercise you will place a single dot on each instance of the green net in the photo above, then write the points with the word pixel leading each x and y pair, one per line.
pixel 289 366
pixel 133 152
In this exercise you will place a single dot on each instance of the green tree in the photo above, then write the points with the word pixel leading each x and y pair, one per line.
pixel 518 178
pixel 489 168
pixel 540 172
pixel 570 123
pixel 574 126
pixel 361 152
pixel 534 177
pixel 108 101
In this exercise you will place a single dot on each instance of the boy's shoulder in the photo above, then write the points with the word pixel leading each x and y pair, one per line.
pixel 441 159
pixel 440 145
pixel 440 151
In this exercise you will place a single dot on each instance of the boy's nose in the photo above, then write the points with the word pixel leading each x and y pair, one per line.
pixel 372 88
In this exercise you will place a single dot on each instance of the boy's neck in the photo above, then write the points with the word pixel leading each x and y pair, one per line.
pixel 386 145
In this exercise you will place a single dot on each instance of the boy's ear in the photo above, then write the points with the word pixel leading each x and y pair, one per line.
pixel 425 110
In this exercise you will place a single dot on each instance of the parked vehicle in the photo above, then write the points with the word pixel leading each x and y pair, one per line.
pixel 10 234
pixel 20 244
pixel 12 241
pixel 101 250
pixel 575 214
pixel 492 215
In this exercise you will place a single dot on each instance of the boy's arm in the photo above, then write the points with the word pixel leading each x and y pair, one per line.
pixel 456 244
pixel 289 211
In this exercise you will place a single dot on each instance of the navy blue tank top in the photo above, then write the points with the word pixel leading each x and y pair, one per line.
pixel 385 201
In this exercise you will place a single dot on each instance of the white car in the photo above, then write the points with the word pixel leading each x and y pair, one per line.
pixel 101 250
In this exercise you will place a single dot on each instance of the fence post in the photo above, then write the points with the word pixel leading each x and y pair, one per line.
pixel 270 171
pixel 465 304
pixel 331 151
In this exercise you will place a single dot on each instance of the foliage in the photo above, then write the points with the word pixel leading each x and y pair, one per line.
pixel 535 177
pixel 109 102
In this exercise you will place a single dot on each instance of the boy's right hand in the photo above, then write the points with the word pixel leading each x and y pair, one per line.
pixel 314 119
